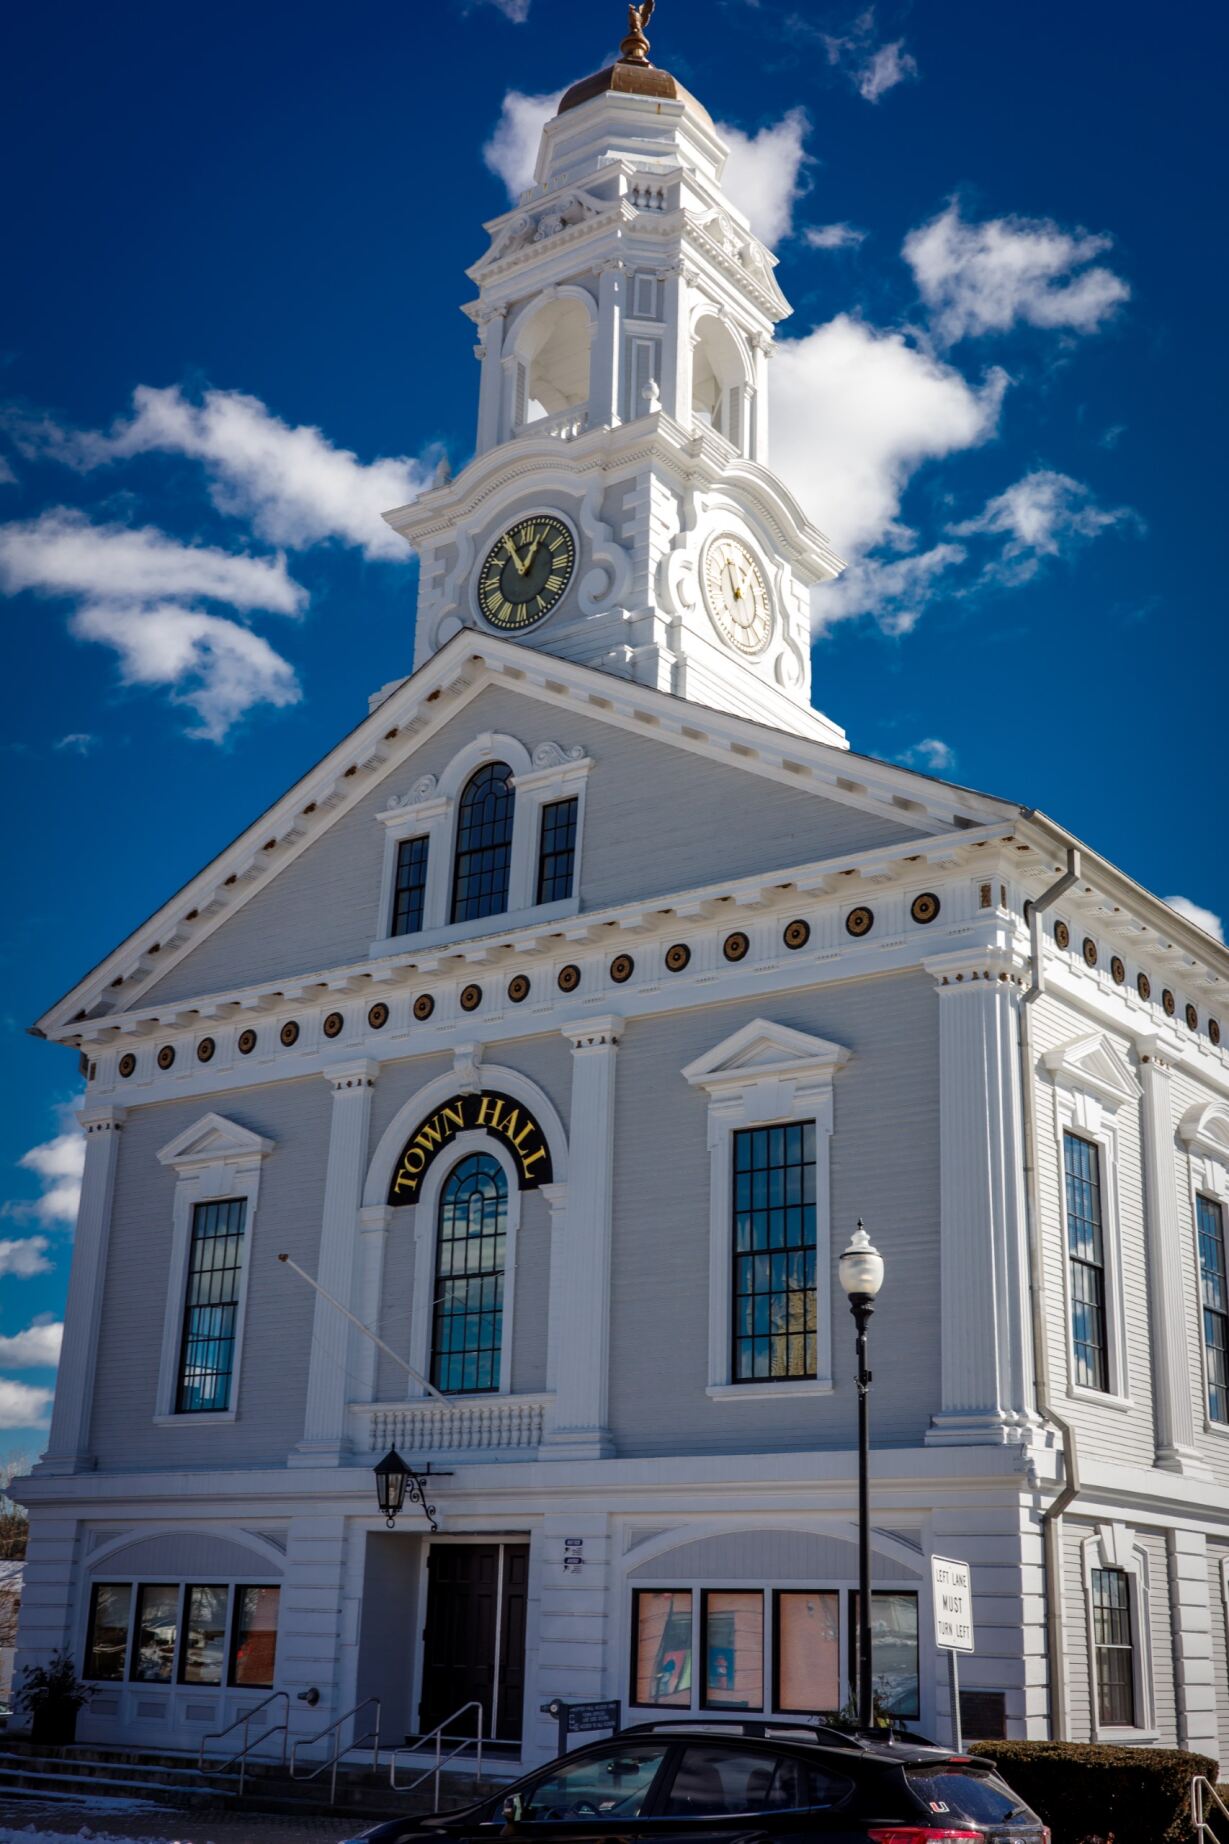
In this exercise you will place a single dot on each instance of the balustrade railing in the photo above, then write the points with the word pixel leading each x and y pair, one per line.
pixel 564 425
pixel 490 1424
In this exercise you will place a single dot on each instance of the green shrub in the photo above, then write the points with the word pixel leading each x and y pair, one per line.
pixel 1087 1793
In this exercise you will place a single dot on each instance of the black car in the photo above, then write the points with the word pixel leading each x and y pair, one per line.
pixel 741 1783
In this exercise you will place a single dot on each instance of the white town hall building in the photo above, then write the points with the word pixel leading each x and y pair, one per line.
pixel 561 1023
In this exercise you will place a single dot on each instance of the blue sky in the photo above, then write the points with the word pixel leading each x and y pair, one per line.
pixel 230 337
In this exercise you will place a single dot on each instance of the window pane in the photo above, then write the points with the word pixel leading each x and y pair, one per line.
pixel 1112 1641
pixel 612 1784
pixel 1214 1295
pixel 1086 1266
pixel 204 1635
pixel 662 1624
pixel 774 1253
pixel 894 1652
pixel 557 854
pixel 484 844
pixel 712 1780
pixel 467 1340
pixel 808 1653
pixel 215 1267
pixel 153 1654
pixel 107 1643
pixel 410 887
pixel 254 1644
pixel 734 1649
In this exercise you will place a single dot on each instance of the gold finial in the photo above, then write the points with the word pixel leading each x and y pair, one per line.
pixel 635 47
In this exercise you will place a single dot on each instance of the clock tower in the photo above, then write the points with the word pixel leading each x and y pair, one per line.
pixel 620 508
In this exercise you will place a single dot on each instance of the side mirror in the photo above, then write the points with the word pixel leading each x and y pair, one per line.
pixel 513 1809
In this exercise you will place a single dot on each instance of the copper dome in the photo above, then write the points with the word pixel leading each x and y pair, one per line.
pixel 632 79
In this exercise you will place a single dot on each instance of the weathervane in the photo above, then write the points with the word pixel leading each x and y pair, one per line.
pixel 635 47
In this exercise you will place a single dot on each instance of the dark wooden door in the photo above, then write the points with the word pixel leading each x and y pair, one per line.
pixel 474 1636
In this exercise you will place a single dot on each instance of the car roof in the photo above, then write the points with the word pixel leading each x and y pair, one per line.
pixel 897 1748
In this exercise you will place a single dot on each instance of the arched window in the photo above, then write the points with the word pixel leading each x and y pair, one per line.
pixel 467 1331
pixel 552 363
pixel 484 844
pixel 720 398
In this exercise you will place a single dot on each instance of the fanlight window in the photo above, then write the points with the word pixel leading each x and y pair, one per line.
pixel 467 1337
pixel 484 844
pixel 553 362
pixel 719 393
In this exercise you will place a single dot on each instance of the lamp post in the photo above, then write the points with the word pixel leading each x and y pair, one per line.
pixel 392 1477
pixel 861 1272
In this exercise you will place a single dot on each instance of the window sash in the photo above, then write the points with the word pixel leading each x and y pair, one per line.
pixel 1086 1262
pixel 253 1639
pixel 774 1317
pixel 557 851
pixel 106 1641
pixel 211 1307
pixel 807 1651
pixel 409 887
pixel 202 1654
pixel 662 1648
pixel 482 865
pixel 155 1633
pixel 143 1631
pixel 732 1632
pixel 895 1654
pixel 1113 1644
pixel 1214 1300
pixel 470 1254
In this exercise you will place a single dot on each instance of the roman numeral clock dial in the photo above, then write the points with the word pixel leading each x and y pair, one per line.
pixel 525 572
pixel 736 594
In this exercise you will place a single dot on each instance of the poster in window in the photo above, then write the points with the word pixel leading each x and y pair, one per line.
pixel 734 1649
pixel 663 1648
pixel 808 1652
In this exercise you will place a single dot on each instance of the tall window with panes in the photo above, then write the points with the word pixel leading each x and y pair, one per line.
pixel 1214 1298
pixel 483 864
pixel 211 1307
pixel 1114 1648
pixel 409 887
pixel 557 851
pixel 774 1279
pixel 1086 1261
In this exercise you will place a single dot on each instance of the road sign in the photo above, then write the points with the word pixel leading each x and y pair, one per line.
pixel 952 1584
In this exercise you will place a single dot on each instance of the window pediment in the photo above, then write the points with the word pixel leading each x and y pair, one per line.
pixel 1096 1065
pixel 1204 1128
pixel 214 1140
pixel 762 1050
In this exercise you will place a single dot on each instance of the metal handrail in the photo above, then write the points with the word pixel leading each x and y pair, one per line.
pixel 279 1728
pixel 1205 1798
pixel 309 1741
pixel 437 1735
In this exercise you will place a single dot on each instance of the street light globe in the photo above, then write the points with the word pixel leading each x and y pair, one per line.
pixel 861 1266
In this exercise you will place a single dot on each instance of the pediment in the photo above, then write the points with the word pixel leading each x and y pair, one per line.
pixel 1094 1063
pixel 762 1050
pixel 214 1140
pixel 1204 1128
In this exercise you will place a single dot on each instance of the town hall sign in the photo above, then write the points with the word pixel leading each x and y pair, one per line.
pixel 488 1112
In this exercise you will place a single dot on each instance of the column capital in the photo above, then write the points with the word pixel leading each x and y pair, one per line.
pixel 1158 1050
pixel 101 1117
pixel 973 968
pixel 361 1073
pixel 600 1033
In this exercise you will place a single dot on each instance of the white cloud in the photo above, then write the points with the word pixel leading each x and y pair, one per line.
pixel 833 236
pixel 25 1255
pixel 37 1348
pixel 763 173
pixel 515 10
pixel 290 483
pixel 215 667
pixel 932 755
pixel 895 591
pixel 1042 515
pixel 58 1163
pixel 983 278
pixel 887 66
pixel 512 151
pixel 23 1406
pixel 1206 919
pixel 79 741
pixel 63 553
pixel 855 411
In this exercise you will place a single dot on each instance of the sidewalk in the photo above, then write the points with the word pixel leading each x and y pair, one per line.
pixel 24 1820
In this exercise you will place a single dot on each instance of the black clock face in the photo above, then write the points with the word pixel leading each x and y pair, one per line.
pixel 526 571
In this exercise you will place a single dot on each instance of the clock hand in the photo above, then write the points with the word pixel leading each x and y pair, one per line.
pixel 515 555
pixel 533 551
pixel 729 564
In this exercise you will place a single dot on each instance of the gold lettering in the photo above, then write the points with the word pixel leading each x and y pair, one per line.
pixel 454 1114
pixel 519 1139
pixel 490 1108
pixel 531 1159
pixel 410 1153
pixel 509 1123
pixel 430 1134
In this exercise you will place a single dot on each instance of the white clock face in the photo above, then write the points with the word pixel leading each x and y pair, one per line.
pixel 736 594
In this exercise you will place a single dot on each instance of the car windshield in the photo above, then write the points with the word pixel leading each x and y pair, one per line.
pixel 962 1792
pixel 612 1783
pixel 714 1779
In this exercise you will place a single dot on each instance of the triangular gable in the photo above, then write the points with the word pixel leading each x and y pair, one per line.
pixel 922 806
pixel 763 1049
pixel 1093 1062
pixel 214 1140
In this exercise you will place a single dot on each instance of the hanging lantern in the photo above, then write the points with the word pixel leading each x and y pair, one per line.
pixel 392 1477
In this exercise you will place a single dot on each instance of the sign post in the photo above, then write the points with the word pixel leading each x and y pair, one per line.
pixel 952 1594
pixel 583 1718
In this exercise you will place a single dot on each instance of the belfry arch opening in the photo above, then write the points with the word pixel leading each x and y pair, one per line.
pixel 719 389
pixel 552 370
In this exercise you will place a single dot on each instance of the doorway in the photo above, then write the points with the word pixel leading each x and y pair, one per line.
pixel 474 1636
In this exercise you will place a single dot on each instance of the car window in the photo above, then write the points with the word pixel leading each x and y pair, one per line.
pixel 714 1779
pixel 965 1793
pixel 614 1782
